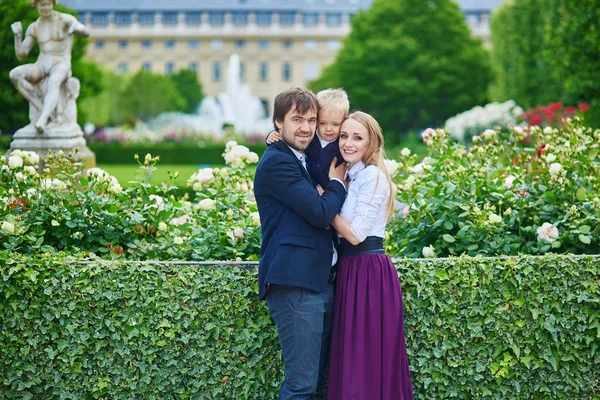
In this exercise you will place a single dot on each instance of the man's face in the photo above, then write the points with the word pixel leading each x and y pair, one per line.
pixel 44 7
pixel 298 130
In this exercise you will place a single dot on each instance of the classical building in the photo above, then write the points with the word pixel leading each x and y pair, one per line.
pixel 281 43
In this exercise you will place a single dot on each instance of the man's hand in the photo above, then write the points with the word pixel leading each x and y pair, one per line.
pixel 273 137
pixel 17 28
pixel 338 172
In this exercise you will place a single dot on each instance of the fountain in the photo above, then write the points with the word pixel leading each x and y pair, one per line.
pixel 235 107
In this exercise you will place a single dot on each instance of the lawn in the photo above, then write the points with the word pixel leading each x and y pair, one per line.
pixel 126 173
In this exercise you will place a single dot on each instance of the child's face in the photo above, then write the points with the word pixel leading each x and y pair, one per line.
pixel 329 124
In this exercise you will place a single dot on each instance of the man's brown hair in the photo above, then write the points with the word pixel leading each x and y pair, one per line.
pixel 303 100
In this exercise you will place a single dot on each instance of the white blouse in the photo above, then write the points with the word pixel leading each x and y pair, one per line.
pixel 366 206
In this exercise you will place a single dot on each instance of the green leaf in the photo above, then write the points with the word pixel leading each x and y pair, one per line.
pixel 585 239
pixel 448 238
pixel 581 194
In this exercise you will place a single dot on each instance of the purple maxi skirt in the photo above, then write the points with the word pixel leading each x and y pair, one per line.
pixel 368 348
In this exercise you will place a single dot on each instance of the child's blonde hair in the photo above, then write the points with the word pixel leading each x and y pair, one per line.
pixel 334 100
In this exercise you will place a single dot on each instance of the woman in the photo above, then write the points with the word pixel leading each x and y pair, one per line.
pixel 368 349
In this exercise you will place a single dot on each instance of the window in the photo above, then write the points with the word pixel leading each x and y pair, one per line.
pixel 264 18
pixel 146 44
pixel 216 18
pixel 193 18
pixel 99 44
pixel 123 44
pixel 334 44
pixel 242 71
pixel 265 104
pixel 263 44
pixel 263 71
pixel 286 71
pixel 193 44
pixel 310 44
pixel 169 18
pixel 287 18
pixel 216 44
pixel 170 68
pixel 310 70
pixel 99 18
pixel 334 19
pixel 286 44
pixel 146 66
pixel 146 18
pixel 169 44
pixel 217 71
pixel 310 19
pixel 472 19
pixel 239 18
pixel 123 18
pixel 240 44
pixel 193 67
pixel 122 68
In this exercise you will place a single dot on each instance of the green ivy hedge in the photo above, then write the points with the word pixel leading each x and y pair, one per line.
pixel 170 153
pixel 513 328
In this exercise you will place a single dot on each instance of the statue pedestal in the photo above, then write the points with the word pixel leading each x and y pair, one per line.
pixel 64 138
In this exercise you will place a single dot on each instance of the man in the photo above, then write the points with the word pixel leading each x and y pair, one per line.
pixel 297 252
pixel 54 34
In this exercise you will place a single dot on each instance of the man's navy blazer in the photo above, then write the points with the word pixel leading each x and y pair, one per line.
pixel 296 248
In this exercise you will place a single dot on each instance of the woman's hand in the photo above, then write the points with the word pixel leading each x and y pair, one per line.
pixel 320 190
pixel 338 172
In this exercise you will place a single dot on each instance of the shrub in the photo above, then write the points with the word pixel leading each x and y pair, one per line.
pixel 500 197
pixel 476 328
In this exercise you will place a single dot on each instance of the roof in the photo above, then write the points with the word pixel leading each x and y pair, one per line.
pixel 249 5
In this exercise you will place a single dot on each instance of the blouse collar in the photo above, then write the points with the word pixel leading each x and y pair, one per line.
pixel 354 170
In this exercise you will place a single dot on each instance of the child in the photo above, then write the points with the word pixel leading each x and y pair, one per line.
pixel 333 110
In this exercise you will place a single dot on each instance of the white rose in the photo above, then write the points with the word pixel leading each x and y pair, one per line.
pixel 15 162
pixel 418 169
pixel 230 145
pixel 255 218
pixel 8 227
pixel 555 169
pixel 508 181
pixel 57 184
pixel 205 175
pixel 158 202
pixel 20 177
pixel 547 232
pixel 162 226
pixel 238 232
pixel 206 204
pixel 178 240
pixel 494 218
pixel 548 130
pixel 55 223
pixel 550 158
pixel 428 252
pixel 489 134
pixel 148 158
pixel 252 158
pixel 29 170
pixel 180 220
pixel 391 166
pixel 405 152
pixel 32 157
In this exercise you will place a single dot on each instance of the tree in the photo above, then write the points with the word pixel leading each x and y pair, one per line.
pixel 547 51
pixel 148 94
pixel 411 64
pixel 186 82
pixel 14 107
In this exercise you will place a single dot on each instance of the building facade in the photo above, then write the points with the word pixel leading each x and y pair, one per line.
pixel 281 43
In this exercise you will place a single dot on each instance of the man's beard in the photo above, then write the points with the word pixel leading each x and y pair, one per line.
pixel 296 145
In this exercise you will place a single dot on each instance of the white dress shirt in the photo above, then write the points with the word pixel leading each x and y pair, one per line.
pixel 366 206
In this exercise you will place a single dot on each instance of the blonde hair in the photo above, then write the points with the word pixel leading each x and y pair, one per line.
pixel 334 100
pixel 375 154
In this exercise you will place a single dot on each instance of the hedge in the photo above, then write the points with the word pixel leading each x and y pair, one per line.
pixel 170 153
pixel 477 328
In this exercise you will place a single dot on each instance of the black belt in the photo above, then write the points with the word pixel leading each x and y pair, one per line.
pixel 371 245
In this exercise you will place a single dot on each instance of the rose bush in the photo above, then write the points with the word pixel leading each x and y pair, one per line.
pixel 64 209
pixel 500 197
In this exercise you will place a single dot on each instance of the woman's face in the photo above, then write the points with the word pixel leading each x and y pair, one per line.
pixel 354 141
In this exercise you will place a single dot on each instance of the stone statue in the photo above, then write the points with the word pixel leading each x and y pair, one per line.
pixel 45 84
pixel 48 85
